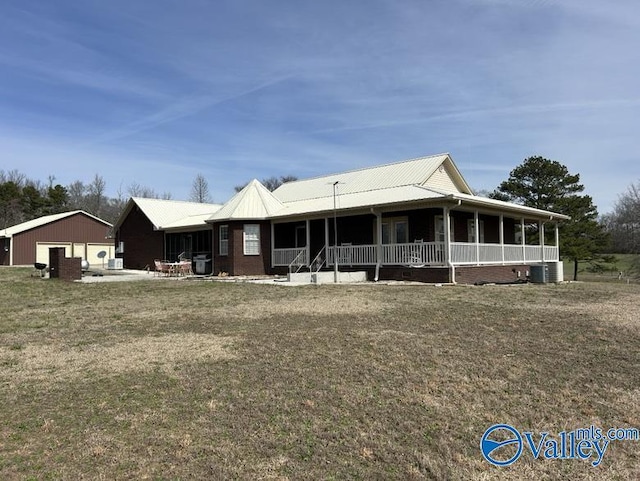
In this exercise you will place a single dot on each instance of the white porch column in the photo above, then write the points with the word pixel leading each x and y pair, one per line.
pixel 541 232
pixel 476 227
pixel 273 242
pixel 379 237
pixel 522 240
pixel 378 244
pixel 307 226
pixel 447 241
pixel 558 240
pixel 326 238
pixel 501 234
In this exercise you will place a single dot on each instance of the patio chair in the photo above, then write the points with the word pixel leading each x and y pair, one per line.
pixel 161 268
pixel 185 267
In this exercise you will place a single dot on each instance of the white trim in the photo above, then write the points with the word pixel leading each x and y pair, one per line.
pixel 251 240
pixel 225 251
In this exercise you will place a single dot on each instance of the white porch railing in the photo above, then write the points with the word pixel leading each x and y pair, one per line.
pixel 414 254
pixel 421 254
pixel 359 255
pixel 284 257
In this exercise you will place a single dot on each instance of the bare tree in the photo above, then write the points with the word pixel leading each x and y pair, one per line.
pixel 624 222
pixel 76 191
pixel 95 198
pixel 271 183
pixel 200 190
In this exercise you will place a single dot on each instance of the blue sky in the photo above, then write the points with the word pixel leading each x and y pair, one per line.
pixel 155 92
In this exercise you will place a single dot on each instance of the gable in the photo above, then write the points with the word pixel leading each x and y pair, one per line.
pixel 442 179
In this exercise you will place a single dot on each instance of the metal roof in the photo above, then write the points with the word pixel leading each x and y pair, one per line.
pixel 255 202
pixel 47 219
pixel 171 214
pixel 377 178
pixel 373 187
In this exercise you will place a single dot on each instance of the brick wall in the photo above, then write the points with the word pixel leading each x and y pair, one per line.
pixel 480 274
pixel 236 263
pixel 65 268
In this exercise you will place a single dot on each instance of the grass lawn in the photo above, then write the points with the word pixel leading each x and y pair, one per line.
pixel 171 379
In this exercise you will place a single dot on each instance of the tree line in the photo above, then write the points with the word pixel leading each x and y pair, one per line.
pixel 23 199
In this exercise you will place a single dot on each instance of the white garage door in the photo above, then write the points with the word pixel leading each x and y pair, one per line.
pixel 94 249
pixel 42 250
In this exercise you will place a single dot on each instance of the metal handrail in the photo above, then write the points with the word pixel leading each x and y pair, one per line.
pixel 294 261
pixel 316 259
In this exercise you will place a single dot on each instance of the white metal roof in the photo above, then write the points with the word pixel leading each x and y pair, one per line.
pixel 47 219
pixel 171 214
pixel 434 178
pixel 358 200
pixel 253 202
pixel 378 178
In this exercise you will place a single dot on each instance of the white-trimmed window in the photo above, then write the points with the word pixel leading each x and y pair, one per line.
pixel 395 230
pixel 251 239
pixel 224 240
pixel 439 221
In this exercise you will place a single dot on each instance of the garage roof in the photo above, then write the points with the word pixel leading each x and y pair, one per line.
pixel 44 220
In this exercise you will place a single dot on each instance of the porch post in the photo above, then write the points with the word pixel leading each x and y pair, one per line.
pixel 378 244
pixel 447 241
pixel 501 234
pixel 477 235
pixel 558 241
pixel 541 232
pixel 308 241
pixel 447 235
pixel 273 242
pixel 326 238
pixel 379 237
pixel 522 240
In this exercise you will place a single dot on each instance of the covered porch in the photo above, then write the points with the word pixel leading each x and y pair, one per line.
pixel 418 238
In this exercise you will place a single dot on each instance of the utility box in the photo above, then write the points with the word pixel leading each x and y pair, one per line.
pixel 539 274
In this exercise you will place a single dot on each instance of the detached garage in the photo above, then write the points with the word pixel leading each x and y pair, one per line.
pixel 79 233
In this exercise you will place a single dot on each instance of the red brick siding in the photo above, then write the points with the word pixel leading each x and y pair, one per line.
pixel 65 268
pixel 142 244
pixel 237 263
pixel 474 274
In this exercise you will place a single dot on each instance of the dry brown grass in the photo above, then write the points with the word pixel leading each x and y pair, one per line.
pixel 184 380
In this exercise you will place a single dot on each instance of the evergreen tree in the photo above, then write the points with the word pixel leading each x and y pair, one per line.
pixel 545 184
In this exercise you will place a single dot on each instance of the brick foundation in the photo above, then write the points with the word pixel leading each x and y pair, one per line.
pixel 65 268
pixel 486 274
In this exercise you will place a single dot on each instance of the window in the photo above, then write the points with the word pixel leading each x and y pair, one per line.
pixel 224 240
pixel 471 227
pixel 251 239
pixel 395 231
pixel 440 228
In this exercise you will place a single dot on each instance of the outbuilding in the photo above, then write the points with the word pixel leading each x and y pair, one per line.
pixel 78 232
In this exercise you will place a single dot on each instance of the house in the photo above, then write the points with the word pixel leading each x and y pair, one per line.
pixel 150 229
pixel 417 219
pixel 79 233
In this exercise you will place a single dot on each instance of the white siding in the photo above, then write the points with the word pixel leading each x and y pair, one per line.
pixel 441 180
